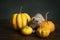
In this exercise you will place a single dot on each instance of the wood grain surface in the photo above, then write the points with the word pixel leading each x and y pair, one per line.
pixel 7 33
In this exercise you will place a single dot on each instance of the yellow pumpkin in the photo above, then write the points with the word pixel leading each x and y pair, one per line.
pixel 48 24
pixel 20 20
pixel 27 30
pixel 43 32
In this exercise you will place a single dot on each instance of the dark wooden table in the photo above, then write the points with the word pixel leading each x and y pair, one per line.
pixel 7 33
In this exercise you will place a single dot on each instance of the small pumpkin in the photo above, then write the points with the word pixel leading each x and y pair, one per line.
pixel 43 32
pixel 48 24
pixel 20 20
pixel 27 30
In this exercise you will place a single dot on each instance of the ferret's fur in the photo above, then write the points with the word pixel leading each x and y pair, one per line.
pixel 37 19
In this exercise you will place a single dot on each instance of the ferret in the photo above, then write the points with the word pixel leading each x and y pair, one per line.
pixel 36 19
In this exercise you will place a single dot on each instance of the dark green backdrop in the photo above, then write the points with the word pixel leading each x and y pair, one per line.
pixel 8 7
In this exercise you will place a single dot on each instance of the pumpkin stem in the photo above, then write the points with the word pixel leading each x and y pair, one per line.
pixel 21 9
pixel 46 15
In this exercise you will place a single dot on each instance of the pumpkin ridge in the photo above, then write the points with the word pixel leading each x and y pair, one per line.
pixel 19 21
pixel 24 20
pixel 14 20
pixel 28 17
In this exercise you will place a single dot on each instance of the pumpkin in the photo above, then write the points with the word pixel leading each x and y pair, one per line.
pixel 43 32
pixel 48 24
pixel 27 30
pixel 20 20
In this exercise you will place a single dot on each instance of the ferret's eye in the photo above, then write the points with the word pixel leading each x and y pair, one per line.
pixel 33 19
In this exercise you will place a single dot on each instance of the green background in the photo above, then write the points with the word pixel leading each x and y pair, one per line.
pixel 8 7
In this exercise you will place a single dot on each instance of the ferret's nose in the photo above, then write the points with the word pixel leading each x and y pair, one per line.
pixel 36 21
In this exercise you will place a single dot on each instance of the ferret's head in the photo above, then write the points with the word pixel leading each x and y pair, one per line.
pixel 38 18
